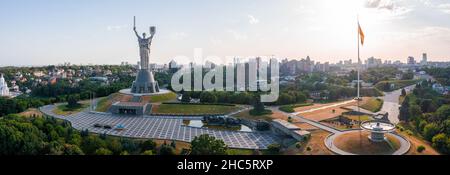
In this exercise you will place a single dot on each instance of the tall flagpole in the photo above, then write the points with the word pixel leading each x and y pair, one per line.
pixel 359 62
pixel 358 89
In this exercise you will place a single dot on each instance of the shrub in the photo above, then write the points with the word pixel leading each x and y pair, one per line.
pixel 148 145
pixel 420 148
pixel 166 150
pixel 274 148
pixel 103 151
pixel 148 153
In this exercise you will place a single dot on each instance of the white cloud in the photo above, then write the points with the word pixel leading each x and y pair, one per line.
pixel 444 8
pixel 380 4
pixel 252 19
pixel 395 9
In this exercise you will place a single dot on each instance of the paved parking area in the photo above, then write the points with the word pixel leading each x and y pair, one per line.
pixel 161 127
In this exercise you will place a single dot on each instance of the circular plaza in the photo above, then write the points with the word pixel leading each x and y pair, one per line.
pixel 359 142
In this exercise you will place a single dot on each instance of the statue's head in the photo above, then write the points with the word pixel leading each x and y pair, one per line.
pixel 144 35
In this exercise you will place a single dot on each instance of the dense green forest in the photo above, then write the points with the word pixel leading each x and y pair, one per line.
pixel 427 114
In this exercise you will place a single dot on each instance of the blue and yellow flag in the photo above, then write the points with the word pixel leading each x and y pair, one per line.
pixel 361 34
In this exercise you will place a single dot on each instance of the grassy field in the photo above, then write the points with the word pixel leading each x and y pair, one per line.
pixel 192 109
pixel 103 105
pixel 65 110
pixel 357 143
pixel 31 112
pixel 290 108
pixel 239 152
pixel 356 118
pixel 246 115
pixel 373 104
pixel 160 98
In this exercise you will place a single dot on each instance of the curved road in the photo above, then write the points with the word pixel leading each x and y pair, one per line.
pixel 391 103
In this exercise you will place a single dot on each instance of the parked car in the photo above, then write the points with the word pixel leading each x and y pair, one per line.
pixel 107 127
pixel 98 125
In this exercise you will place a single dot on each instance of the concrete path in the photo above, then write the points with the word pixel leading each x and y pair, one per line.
pixel 391 103
pixel 323 107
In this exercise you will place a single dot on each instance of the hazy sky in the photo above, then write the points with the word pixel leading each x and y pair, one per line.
pixel 38 32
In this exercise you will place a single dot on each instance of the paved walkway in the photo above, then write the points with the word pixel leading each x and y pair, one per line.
pixel 161 127
pixel 323 107
pixel 391 103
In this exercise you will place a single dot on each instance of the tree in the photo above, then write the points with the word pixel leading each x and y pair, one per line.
pixel 427 105
pixel 173 144
pixel 430 130
pixel 258 106
pixel 207 145
pixel 72 150
pixel 148 145
pixel 285 98
pixel 129 145
pixel 440 142
pixel 404 113
pixel 447 126
pixel 91 144
pixel 443 112
pixel 72 101
pixel 403 92
pixel 208 97
pixel 166 150
pixel 274 149
pixel 420 148
pixel 103 151
pixel 148 153
pixel 415 111
pixel 114 145
pixel 186 97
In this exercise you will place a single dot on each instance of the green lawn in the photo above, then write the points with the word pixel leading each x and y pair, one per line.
pixel 356 118
pixel 290 108
pixel 248 116
pixel 191 109
pixel 160 98
pixel 103 105
pixel 65 110
pixel 373 104
pixel 239 152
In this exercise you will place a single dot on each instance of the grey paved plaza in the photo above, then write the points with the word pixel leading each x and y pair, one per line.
pixel 161 127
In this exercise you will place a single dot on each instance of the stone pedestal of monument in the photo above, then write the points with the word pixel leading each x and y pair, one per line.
pixel 145 83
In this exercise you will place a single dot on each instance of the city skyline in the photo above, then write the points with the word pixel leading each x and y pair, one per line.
pixel 49 32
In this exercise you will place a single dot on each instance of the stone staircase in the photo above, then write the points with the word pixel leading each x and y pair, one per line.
pixel 136 99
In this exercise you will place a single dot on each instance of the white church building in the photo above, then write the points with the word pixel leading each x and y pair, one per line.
pixel 4 90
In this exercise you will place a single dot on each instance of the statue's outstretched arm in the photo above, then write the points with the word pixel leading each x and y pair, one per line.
pixel 137 34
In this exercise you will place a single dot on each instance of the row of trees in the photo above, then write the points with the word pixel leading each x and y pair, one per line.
pixel 20 104
pixel 84 88
pixel 428 114
pixel 440 74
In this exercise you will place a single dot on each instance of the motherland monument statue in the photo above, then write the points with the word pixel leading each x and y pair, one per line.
pixel 145 82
